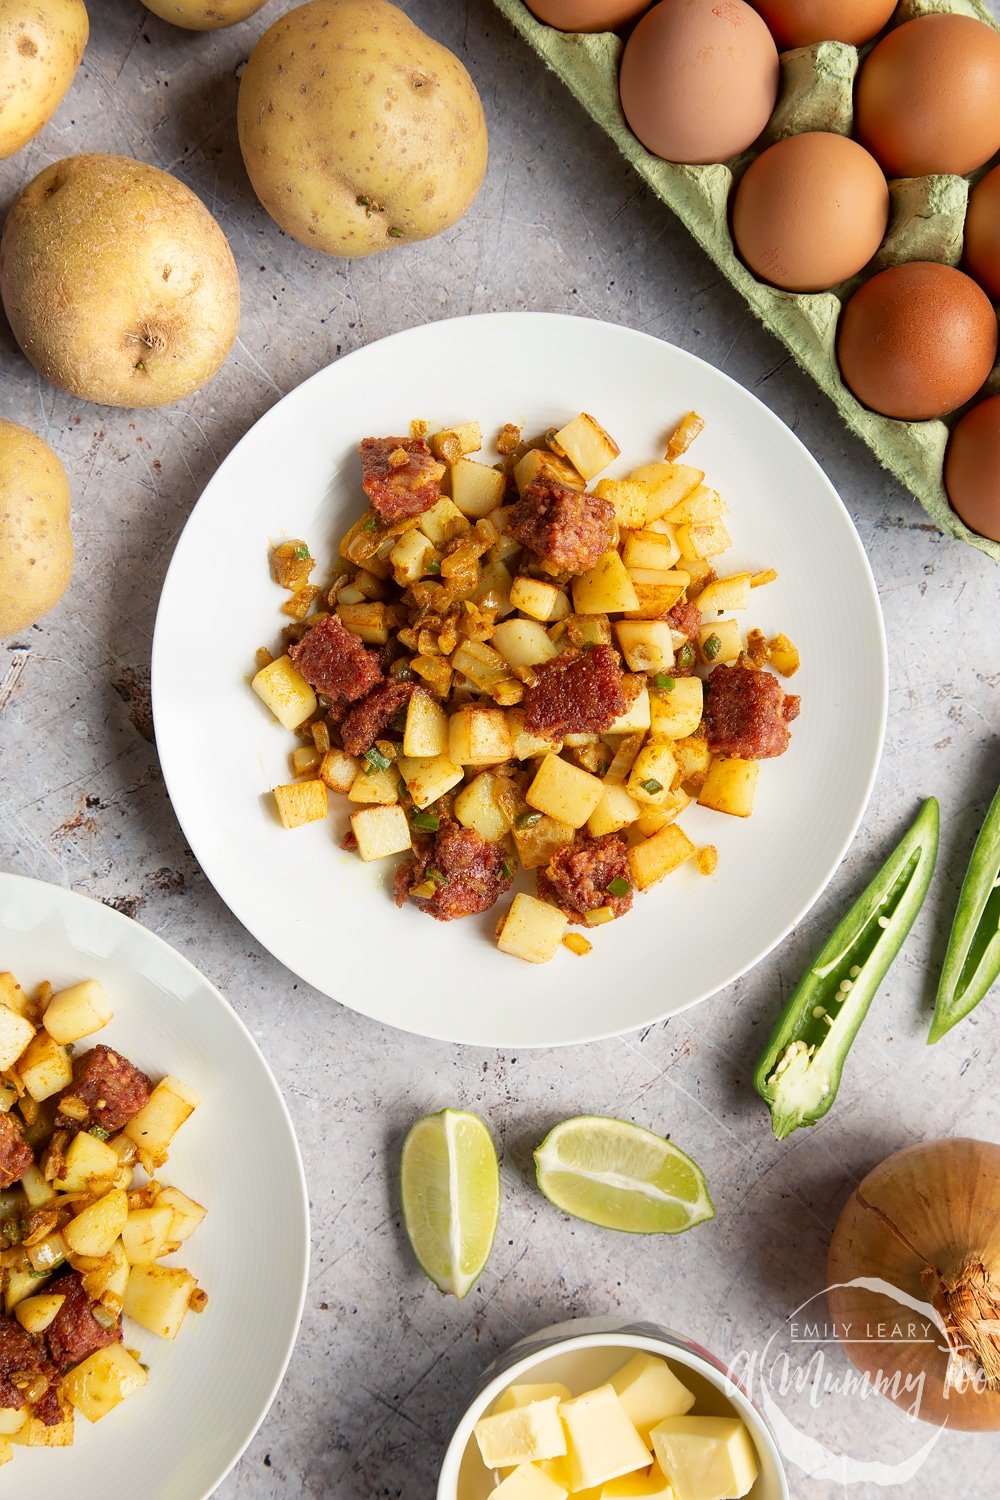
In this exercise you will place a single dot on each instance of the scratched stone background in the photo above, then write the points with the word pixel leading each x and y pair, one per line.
pixel 383 1363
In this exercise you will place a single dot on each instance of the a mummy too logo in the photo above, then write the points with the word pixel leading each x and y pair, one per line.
pixel 810 1393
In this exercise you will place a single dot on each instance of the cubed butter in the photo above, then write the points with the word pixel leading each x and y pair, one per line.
pixel 528 1483
pixel 645 1484
pixel 521 1436
pixel 601 1441
pixel 522 1395
pixel 706 1458
pixel 649 1391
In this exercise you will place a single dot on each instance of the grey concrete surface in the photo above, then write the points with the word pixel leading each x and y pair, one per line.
pixel 383 1363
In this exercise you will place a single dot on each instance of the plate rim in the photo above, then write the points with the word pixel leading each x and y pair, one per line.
pixel 880 683
pixel 46 890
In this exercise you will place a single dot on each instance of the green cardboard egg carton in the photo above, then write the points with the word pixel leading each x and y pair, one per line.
pixel 926 223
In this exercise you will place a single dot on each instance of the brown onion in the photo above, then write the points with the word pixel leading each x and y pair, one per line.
pixel 927 1222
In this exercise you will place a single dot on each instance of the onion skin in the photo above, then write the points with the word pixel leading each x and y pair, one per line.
pixel 926 1220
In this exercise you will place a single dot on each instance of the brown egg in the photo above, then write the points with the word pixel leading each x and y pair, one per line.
pixel 972 468
pixel 810 211
pixel 917 340
pixel 699 79
pixel 799 23
pixel 587 15
pixel 928 97
pixel 982 233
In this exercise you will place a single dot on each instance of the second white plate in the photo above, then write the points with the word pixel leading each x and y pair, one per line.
pixel 329 917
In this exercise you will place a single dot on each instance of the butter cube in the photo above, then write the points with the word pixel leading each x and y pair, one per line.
pixel 705 1458
pixel 602 1442
pixel 521 1436
pixel 528 1483
pixel 523 1395
pixel 649 1391
pixel 646 1484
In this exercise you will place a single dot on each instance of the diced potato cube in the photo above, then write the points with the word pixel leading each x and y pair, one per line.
pixel 36 1313
pixel 784 655
pixel 587 446
pixel 96 1228
pixel 185 1214
pixel 45 1068
pixel 162 1115
pixel 374 787
pixel 564 792
pixel 301 802
pixel 102 1380
pixel 667 483
pixel 606 589
pixel 543 462
pixel 528 1482
pixel 730 786
pixel 523 643
pixel 701 539
pixel 601 1441
pixel 146 1233
pixel 525 1433
pixel 635 717
pixel 37 1434
pixel 381 831
pixel 478 736
pixel 653 774
pixel 13 996
pixel 338 770
pixel 652 818
pixel 651 549
pixel 536 842
pixel 535 597
pixel 676 712
pixel 525 744
pixel 725 593
pixel 426 729
pixel 476 807
pixel 629 498
pixel 157 1297
pixel 533 931
pixel 411 555
pixel 707 1458
pixel 693 758
pixel 18 1285
pixel 720 642
pixel 702 504
pixel 77 1012
pixel 467 437
pixel 476 488
pixel 647 645
pixel 285 692
pixel 657 597
pixel 657 856
pixel 90 1164
pixel 616 809
pixel 443 522
pixel 429 778
pixel 649 1391
pixel 523 1394
pixel 37 1190
pixel 15 1034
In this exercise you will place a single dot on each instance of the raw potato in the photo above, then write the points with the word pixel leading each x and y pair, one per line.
pixel 358 131
pixel 119 285
pixel 41 45
pixel 204 15
pixel 36 544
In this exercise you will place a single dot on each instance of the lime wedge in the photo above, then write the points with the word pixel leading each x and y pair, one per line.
pixel 620 1176
pixel 450 1187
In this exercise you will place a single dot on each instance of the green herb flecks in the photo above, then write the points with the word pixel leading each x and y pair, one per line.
pixel 711 646
pixel 652 786
pixel 375 761
pixel 426 821
pixel 619 886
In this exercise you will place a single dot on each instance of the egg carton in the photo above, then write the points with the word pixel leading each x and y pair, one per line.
pixel 926 224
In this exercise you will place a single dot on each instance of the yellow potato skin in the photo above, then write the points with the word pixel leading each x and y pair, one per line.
pixel 204 15
pixel 118 284
pixel 358 131
pixel 36 544
pixel 41 44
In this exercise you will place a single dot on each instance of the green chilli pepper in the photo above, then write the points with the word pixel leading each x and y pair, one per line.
pixel 799 1073
pixel 972 961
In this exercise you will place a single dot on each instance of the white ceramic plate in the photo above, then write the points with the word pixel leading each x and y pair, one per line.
pixel 329 917
pixel 210 1388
